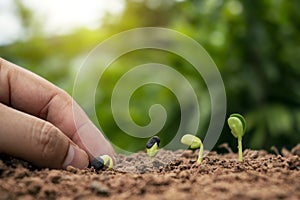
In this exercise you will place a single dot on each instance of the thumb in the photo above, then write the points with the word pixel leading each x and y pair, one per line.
pixel 37 141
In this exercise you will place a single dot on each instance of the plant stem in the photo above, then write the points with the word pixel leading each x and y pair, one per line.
pixel 240 149
pixel 200 155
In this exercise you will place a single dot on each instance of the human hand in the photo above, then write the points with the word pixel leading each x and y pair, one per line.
pixel 37 122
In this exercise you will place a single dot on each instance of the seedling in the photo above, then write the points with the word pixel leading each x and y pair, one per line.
pixel 194 143
pixel 237 124
pixel 152 147
pixel 102 161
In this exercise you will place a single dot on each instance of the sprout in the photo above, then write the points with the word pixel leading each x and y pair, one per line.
pixel 237 124
pixel 102 161
pixel 152 147
pixel 194 143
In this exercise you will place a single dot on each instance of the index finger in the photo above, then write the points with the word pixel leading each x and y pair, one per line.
pixel 27 92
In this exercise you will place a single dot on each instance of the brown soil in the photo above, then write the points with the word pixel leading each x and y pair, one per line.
pixel 172 175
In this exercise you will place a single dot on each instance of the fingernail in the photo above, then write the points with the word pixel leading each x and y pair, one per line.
pixel 76 158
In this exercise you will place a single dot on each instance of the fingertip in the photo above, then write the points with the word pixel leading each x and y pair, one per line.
pixel 76 157
pixel 89 138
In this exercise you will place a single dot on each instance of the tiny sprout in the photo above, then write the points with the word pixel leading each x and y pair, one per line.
pixel 194 143
pixel 152 146
pixel 102 161
pixel 237 124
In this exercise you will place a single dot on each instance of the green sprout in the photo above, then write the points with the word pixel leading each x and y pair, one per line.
pixel 152 147
pixel 194 143
pixel 237 124
pixel 102 161
pixel 108 162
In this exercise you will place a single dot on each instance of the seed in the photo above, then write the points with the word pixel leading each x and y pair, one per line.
pixel 97 163
pixel 152 141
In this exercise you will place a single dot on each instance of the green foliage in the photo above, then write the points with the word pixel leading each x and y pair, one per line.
pixel 194 143
pixel 255 44
pixel 108 162
pixel 152 151
pixel 152 147
pixel 237 125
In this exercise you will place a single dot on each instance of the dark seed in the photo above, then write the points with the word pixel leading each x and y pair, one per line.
pixel 152 141
pixel 97 163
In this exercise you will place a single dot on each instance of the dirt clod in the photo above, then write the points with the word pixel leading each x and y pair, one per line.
pixel 99 188
pixel 296 150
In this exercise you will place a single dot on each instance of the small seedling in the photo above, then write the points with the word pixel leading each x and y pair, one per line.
pixel 102 161
pixel 152 147
pixel 194 143
pixel 237 124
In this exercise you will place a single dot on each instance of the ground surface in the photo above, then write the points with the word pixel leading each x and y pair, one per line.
pixel 172 175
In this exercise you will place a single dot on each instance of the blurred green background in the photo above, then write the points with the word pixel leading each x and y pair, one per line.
pixel 255 44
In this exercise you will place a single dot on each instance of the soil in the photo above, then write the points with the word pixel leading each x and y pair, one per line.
pixel 172 175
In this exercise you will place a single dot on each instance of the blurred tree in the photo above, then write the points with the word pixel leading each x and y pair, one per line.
pixel 255 44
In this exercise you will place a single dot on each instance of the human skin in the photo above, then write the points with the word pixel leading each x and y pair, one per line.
pixel 42 124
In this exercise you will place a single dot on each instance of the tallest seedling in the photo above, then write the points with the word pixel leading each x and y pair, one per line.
pixel 237 124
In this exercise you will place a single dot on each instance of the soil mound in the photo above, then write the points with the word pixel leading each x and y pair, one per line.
pixel 172 175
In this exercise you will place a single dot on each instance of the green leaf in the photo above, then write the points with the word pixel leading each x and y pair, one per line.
pixel 240 117
pixel 237 125
pixel 192 141
pixel 152 151
pixel 107 161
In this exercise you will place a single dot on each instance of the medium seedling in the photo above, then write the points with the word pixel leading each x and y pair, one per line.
pixel 152 147
pixel 194 143
pixel 102 161
pixel 237 124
